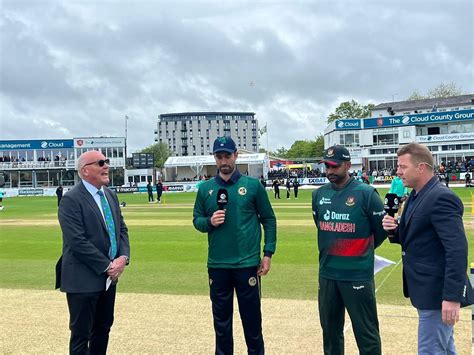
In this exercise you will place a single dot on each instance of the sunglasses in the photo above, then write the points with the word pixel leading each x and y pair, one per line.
pixel 100 162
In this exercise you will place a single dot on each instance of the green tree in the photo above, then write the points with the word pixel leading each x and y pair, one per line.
pixel 445 90
pixel 415 96
pixel 161 151
pixel 440 91
pixel 350 109
pixel 302 149
pixel 319 146
pixel 280 152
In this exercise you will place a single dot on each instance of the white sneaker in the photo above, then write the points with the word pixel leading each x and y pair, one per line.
pixel 1 208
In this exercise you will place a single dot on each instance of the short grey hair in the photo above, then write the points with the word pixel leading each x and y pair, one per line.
pixel 80 164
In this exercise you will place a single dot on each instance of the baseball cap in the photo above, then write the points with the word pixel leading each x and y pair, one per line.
pixel 336 155
pixel 224 144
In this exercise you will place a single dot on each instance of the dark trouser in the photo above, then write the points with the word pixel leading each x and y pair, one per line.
pixel 288 191
pixel 158 195
pixel 277 193
pixel 296 192
pixel 59 199
pixel 247 286
pixel 91 317
pixel 150 196
pixel 358 297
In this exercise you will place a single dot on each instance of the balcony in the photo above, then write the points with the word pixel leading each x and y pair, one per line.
pixel 62 164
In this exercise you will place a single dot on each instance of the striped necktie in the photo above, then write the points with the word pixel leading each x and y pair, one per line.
pixel 109 221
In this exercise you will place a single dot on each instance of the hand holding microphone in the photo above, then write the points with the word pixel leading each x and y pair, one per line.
pixel 391 206
pixel 218 217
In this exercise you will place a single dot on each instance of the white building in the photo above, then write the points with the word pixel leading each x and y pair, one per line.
pixel 44 163
pixel 445 125
pixel 192 133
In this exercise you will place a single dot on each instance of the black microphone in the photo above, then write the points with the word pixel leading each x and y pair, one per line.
pixel 222 198
pixel 391 205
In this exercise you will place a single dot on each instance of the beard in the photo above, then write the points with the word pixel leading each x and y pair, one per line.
pixel 226 169
pixel 335 178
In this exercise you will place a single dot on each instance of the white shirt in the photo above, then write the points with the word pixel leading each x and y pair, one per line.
pixel 93 191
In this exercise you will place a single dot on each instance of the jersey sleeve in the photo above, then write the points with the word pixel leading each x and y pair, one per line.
pixel 315 207
pixel 375 213
pixel 200 219
pixel 267 219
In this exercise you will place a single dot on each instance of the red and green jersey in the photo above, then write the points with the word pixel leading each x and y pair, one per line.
pixel 349 222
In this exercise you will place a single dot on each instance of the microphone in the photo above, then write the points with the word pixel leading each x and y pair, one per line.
pixel 391 205
pixel 222 198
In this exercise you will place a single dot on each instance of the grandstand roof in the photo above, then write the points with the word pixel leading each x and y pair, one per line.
pixel 452 101
pixel 209 160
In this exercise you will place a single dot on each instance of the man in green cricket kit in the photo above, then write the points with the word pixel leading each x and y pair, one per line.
pixel 231 208
pixel 348 215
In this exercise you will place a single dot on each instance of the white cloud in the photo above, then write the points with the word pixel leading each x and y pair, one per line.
pixel 77 68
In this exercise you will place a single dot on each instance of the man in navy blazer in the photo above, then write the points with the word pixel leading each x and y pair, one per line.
pixel 434 250
pixel 95 252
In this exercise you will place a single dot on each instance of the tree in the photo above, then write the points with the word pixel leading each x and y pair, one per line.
pixel 319 146
pixel 302 149
pixel 280 152
pixel 440 91
pixel 161 151
pixel 351 109
pixel 444 90
pixel 415 96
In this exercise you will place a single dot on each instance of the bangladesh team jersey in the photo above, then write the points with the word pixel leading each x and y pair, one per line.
pixel 349 222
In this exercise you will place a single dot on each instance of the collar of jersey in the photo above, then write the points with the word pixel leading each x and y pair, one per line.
pixel 233 179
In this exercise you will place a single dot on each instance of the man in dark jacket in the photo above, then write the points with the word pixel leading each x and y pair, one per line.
pixel 149 189
pixel 159 190
pixel 95 252
pixel 434 250
pixel 59 193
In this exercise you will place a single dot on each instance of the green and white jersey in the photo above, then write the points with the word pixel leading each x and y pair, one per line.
pixel 237 242
pixel 349 222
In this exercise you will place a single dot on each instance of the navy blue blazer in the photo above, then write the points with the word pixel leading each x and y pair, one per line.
pixel 434 248
pixel 86 242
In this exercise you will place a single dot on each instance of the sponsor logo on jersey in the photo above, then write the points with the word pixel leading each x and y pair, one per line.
pixel 210 192
pixel 325 201
pixel 350 201
pixel 242 191
pixel 210 282
pixel 358 287
pixel 331 215
pixel 330 153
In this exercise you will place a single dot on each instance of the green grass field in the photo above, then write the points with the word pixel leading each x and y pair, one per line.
pixel 169 255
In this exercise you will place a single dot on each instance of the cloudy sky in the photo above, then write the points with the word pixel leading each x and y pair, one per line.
pixel 75 68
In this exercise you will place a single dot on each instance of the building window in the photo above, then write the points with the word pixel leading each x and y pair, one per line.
pixel 349 139
pixel 385 136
